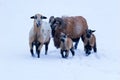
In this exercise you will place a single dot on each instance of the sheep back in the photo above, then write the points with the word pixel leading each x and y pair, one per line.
pixel 74 27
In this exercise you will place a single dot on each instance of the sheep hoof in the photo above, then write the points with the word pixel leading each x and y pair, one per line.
pixel 32 52
pixel 33 55
pixel 73 53
pixel 87 54
pixel 45 53
pixel 38 53
pixel 75 47
pixel 95 50
pixel 38 56
pixel 65 56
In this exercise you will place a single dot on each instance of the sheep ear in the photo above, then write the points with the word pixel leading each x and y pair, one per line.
pixel 93 30
pixel 51 19
pixel 32 17
pixel 43 17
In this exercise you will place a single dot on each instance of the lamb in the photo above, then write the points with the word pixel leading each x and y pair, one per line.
pixel 75 26
pixel 39 34
pixel 66 45
pixel 89 42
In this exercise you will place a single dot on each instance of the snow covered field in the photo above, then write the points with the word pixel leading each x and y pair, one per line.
pixel 16 62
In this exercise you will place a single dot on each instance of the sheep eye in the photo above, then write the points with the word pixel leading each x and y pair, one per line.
pixel 57 22
pixel 35 17
pixel 90 32
pixel 64 36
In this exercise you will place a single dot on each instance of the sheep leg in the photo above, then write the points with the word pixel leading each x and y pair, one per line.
pixel 39 49
pixel 87 50
pixel 76 42
pixel 67 53
pixel 84 48
pixel 72 51
pixel 95 48
pixel 31 48
pixel 82 37
pixel 37 45
pixel 46 47
pixel 61 51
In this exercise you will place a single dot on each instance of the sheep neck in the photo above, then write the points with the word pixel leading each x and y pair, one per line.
pixel 36 30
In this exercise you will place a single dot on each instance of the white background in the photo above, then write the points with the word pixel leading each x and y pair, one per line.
pixel 16 62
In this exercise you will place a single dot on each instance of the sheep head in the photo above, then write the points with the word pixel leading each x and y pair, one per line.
pixel 38 19
pixel 63 36
pixel 56 23
pixel 89 33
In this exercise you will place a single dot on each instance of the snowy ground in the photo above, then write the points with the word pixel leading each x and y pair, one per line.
pixel 17 63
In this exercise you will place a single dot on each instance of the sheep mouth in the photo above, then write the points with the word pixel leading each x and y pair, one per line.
pixel 38 24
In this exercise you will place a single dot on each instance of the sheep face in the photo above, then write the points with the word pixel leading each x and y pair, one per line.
pixel 38 19
pixel 89 33
pixel 56 23
pixel 63 37
pixel 51 20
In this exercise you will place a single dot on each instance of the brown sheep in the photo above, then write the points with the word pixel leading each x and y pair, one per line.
pixel 66 46
pixel 89 42
pixel 39 34
pixel 74 27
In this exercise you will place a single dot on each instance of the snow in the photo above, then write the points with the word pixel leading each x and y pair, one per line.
pixel 17 63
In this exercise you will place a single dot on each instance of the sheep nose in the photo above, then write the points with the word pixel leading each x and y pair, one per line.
pixel 62 40
pixel 38 23
pixel 53 27
pixel 88 36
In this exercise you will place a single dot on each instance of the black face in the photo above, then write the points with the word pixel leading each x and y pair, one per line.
pixel 52 27
pixel 55 23
pixel 52 24
pixel 89 33
pixel 63 37
pixel 38 19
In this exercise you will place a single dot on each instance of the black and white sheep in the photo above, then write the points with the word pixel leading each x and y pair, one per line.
pixel 89 42
pixel 66 45
pixel 39 34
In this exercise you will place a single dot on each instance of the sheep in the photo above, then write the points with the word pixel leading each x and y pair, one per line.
pixel 75 26
pixel 39 34
pixel 89 42
pixel 66 45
